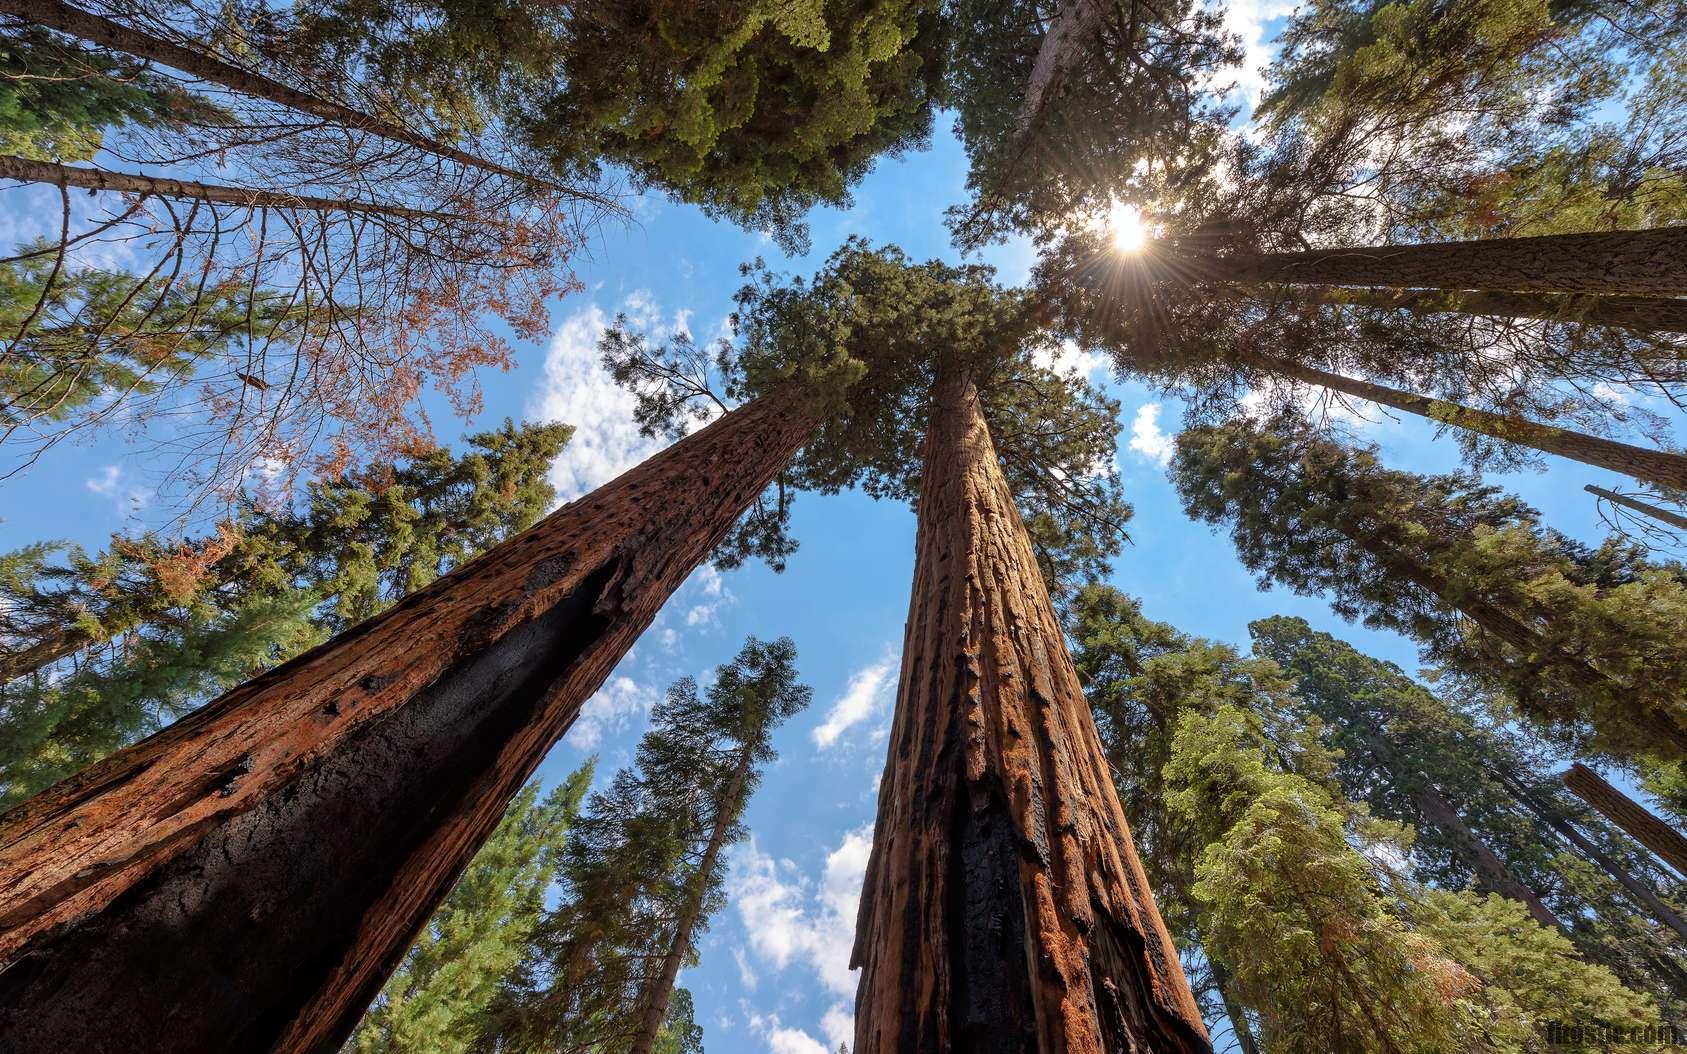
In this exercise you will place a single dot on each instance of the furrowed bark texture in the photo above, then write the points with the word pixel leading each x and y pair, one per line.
pixel 1650 466
pixel 247 878
pixel 1072 33
pixel 1646 313
pixel 1004 907
pixel 1661 515
pixel 1641 263
pixel 1630 815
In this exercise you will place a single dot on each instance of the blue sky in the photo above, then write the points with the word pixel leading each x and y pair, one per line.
pixel 774 971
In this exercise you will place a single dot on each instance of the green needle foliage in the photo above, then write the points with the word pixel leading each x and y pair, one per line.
pixel 1588 642
pixel 437 999
pixel 880 326
pixel 112 646
pixel 642 870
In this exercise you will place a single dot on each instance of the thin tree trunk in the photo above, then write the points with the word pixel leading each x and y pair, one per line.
pixel 27 170
pixel 1644 896
pixel 1661 467
pixel 50 648
pixel 246 879
pixel 1630 815
pixel 1643 313
pixel 1662 515
pixel 1633 263
pixel 656 1001
pixel 1004 907
pixel 1493 871
pixel 103 31
pixel 1074 29
pixel 1239 1026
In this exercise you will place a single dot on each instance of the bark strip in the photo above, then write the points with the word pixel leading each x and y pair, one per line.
pixel 1004 907
pixel 1635 263
pixel 1630 815
pixel 1641 313
pixel 1660 467
pixel 247 878
pixel 1674 519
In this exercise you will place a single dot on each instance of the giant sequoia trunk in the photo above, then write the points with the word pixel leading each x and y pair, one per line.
pixel 1641 313
pixel 1630 815
pixel 1661 515
pixel 661 992
pixel 1640 263
pixel 1650 466
pixel 245 879
pixel 1004 907
pixel 103 31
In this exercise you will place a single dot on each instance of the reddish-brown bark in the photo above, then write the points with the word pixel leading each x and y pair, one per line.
pixel 1662 467
pixel 1643 313
pixel 1630 815
pixel 245 879
pixel 1643 263
pixel 1004 907
pixel 1674 519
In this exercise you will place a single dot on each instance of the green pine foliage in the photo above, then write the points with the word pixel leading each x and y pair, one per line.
pixel 1587 642
pixel 437 999
pixel 147 631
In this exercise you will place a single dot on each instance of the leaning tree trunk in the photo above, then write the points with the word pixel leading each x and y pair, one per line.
pixel 1660 467
pixel 1630 815
pixel 1643 896
pixel 656 1000
pixel 49 648
pixel 1661 515
pixel 1641 313
pixel 1636 263
pixel 103 31
pixel 1071 34
pixel 246 879
pixel 1239 1026
pixel 27 170
pixel 1004 907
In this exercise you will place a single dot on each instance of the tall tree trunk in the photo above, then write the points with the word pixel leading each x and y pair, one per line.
pixel 103 31
pixel 1233 1010
pixel 656 1000
pixel 1643 313
pixel 1630 815
pixel 1070 35
pixel 1635 888
pixel 246 879
pixel 1660 467
pixel 1634 263
pixel 49 648
pixel 26 170
pixel 1662 515
pixel 1004 907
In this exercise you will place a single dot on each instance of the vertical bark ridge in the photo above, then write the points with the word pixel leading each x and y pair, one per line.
pixel 1004 907
pixel 1630 815
pixel 1662 467
pixel 1635 263
pixel 245 879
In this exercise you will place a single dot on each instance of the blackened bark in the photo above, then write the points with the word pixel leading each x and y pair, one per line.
pixel 1630 815
pixel 1004 907
pixel 1661 467
pixel 1634 263
pixel 246 879
pixel 1640 313
pixel 1661 515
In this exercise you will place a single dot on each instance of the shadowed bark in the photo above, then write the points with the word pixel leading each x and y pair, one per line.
pixel 1644 313
pixel 1643 263
pixel 1004 907
pixel 1662 515
pixel 247 878
pixel 1630 815
pixel 1662 467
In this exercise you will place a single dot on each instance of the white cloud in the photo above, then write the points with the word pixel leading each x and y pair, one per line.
pixel 610 709
pixel 129 500
pixel 106 481
pixel 746 974
pixel 578 391
pixel 869 691
pixel 707 581
pixel 1069 358
pixel 798 919
pixel 839 1025
pixel 782 1040
pixel 1248 19
pixel 1146 437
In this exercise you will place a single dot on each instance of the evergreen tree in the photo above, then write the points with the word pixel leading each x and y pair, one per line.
pixel 1586 641
pixel 641 869
pixel 174 625
pixel 1440 765
pixel 437 999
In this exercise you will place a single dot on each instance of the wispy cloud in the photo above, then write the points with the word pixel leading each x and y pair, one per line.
pixel 869 692
pixel 611 709
pixel 790 917
pixel 1146 437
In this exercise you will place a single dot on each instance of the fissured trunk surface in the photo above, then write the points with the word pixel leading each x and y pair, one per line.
pixel 1004 908
pixel 246 879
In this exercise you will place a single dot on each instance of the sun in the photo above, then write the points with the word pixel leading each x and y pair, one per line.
pixel 1124 224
